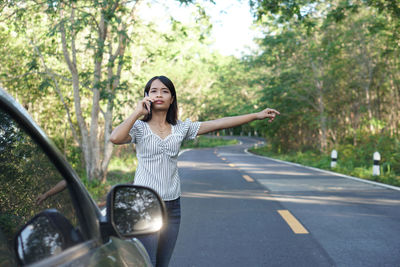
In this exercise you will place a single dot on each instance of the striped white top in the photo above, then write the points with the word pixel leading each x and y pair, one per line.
pixel 158 158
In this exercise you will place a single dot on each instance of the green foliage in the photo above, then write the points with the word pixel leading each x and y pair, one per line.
pixel 121 170
pixel 301 10
pixel 97 190
pixel 331 81
pixel 65 47
pixel 122 165
pixel 72 152
pixel 331 69
pixel 351 156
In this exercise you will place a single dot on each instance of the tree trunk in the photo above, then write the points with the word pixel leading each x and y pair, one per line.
pixel 97 157
pixel 319 84
pixel 72 66
pixel 113 81
pixel 366 61
pixel 394 117
pixel 322 118
pixel 95 167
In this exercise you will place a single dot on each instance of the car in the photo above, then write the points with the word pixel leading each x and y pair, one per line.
pixel 67 228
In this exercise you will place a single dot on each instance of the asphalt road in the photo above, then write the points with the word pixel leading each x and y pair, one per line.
pixel 244 210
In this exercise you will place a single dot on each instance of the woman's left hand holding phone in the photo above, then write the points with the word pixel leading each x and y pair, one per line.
pixel 144 106
pixel 120 135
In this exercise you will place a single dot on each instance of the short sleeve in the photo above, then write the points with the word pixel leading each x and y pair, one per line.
pixel 191 129
pixel 136 131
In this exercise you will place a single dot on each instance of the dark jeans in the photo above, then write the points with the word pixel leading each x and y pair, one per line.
pixel 160 245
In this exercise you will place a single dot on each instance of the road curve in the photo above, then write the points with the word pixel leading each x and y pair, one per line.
pixel 240 209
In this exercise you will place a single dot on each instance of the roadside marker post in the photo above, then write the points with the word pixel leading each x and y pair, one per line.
pixel 333 158
pixel 376 169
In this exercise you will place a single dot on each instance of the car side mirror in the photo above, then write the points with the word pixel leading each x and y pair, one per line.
pixel 46 234
pixel 134 210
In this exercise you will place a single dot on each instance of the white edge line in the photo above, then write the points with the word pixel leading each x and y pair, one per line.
pixel 183 151
pixel 328 172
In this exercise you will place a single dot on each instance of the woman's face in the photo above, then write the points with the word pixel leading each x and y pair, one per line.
pixel 161 95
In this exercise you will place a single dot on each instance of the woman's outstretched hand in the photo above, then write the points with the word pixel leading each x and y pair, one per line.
pixel 267 113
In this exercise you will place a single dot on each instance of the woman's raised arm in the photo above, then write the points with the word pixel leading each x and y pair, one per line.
pixel 120 135
pixel 229 122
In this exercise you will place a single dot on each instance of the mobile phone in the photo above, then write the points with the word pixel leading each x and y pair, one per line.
pixel 147 94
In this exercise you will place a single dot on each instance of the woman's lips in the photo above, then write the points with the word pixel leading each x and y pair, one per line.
pixel 158 102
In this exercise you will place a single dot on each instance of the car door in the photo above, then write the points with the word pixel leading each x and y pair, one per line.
pixel 47 217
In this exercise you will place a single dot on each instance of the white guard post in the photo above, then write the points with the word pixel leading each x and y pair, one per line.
pixel 376 170
pixel 333 158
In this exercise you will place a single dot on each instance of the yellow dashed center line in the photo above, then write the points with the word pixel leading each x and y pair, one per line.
pixel 245 176
pixel 296 226
pixel 248 178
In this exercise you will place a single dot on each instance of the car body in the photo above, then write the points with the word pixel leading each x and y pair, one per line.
pixel 68 228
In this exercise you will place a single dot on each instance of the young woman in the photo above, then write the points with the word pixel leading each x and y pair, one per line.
pixel 158 137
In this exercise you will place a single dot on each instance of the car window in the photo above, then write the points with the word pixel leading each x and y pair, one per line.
pixel 26 174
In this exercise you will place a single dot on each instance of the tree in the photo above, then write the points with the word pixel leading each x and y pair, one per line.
pixel 83 50
pixel 339 59
pixel 84 30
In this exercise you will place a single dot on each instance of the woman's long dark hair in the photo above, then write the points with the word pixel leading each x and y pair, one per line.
pixel 172 114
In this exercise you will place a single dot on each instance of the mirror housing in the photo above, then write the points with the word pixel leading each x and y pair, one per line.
pixel 135 210
pixel 47 234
